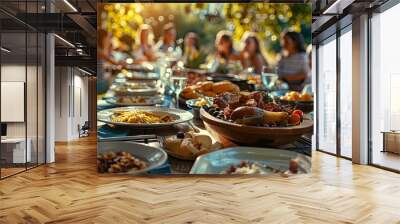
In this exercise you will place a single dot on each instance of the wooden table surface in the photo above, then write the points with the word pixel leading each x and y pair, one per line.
pixel 71 191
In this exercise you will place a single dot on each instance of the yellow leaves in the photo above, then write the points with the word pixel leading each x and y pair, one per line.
pixel 121 19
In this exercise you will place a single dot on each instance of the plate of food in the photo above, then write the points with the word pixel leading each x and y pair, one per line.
pixel 142 76
pixel 128 157
pixel 253 119
pixel 143 116
pixel 252 160
pixel 189 145
pixel 135 100
pixel 143 67
pixel 133 89
pixel 196 104
pixel 301 101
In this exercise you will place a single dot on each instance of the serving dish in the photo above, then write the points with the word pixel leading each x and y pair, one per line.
pixel 242 83
pixel 196 104
pixel 179 116
pixel 152 156
pixel 142 76
pixel 135 100
pixel 208 89
pixel 254 135
pixel 133 89
pixel 305 106
pixel 143 67
pixel 219 161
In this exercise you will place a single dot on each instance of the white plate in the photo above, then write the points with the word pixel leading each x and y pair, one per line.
pixel 150 101
pixel 179 115
pixel 154 157
pixel 219 161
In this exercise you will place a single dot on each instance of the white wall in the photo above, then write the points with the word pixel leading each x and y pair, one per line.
pixel 34 125
pixel 71 102
pixel 13 73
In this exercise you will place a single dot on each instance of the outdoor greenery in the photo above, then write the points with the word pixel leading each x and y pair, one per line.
pixel 206 19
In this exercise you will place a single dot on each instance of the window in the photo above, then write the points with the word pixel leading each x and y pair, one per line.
pixel 346 92
pixel 385 88
pixel 22 101
pixel 327 96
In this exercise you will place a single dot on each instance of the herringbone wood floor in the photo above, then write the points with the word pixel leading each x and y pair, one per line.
pixel 70 191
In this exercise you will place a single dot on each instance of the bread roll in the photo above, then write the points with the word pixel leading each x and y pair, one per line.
pixel 188 147
pixel 225 86
pixel 173 144
pixel 206 86
pixel 209 94
pixel 189 93
pixel 203 142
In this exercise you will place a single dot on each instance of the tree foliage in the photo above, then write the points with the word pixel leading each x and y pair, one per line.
pixel 268 20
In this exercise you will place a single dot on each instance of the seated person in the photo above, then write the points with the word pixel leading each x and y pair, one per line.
pixel 167 43
pixel 192 55
pixel 251 55
pixel 293 66
pixel 145 51
pixel 225 56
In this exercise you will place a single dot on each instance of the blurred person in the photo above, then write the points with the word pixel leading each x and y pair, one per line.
pixel 224 46
pixel 307 83
pixel 103 58
pixel 192 55
pixel 309 74
pixel 251 55
pixel 104 47
pixel 293 66
pixel 123 48
pixel 145 39
pixel 168 40
pixel 226 58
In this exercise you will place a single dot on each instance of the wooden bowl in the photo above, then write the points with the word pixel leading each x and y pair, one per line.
pixel 255 136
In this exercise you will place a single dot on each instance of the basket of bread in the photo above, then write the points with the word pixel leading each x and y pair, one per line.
pixel 209 89
pixel 189 145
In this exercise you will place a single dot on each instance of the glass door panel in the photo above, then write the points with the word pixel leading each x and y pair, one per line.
pixel 32 98
pixel 346 94
pixel 327 96
pixel 14 153
pixel 385 89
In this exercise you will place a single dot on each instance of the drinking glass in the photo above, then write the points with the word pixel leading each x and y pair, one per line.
pixel 178 83
pixel 268 78
pixel 166 81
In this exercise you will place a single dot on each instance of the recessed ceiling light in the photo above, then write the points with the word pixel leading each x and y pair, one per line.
pixel 65 41
pixel 70 5
pixel 84 71
pixel 337 7
pixel 5 50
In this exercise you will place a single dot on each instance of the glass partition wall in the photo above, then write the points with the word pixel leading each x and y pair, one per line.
pixel 334 94
pixel 22 77
pixel 345 92
pixel 327 95
pixel 385 89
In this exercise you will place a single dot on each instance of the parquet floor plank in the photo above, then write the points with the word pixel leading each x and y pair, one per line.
pixel 70 191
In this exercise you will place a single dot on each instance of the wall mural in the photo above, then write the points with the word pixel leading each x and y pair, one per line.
pixel 197 88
